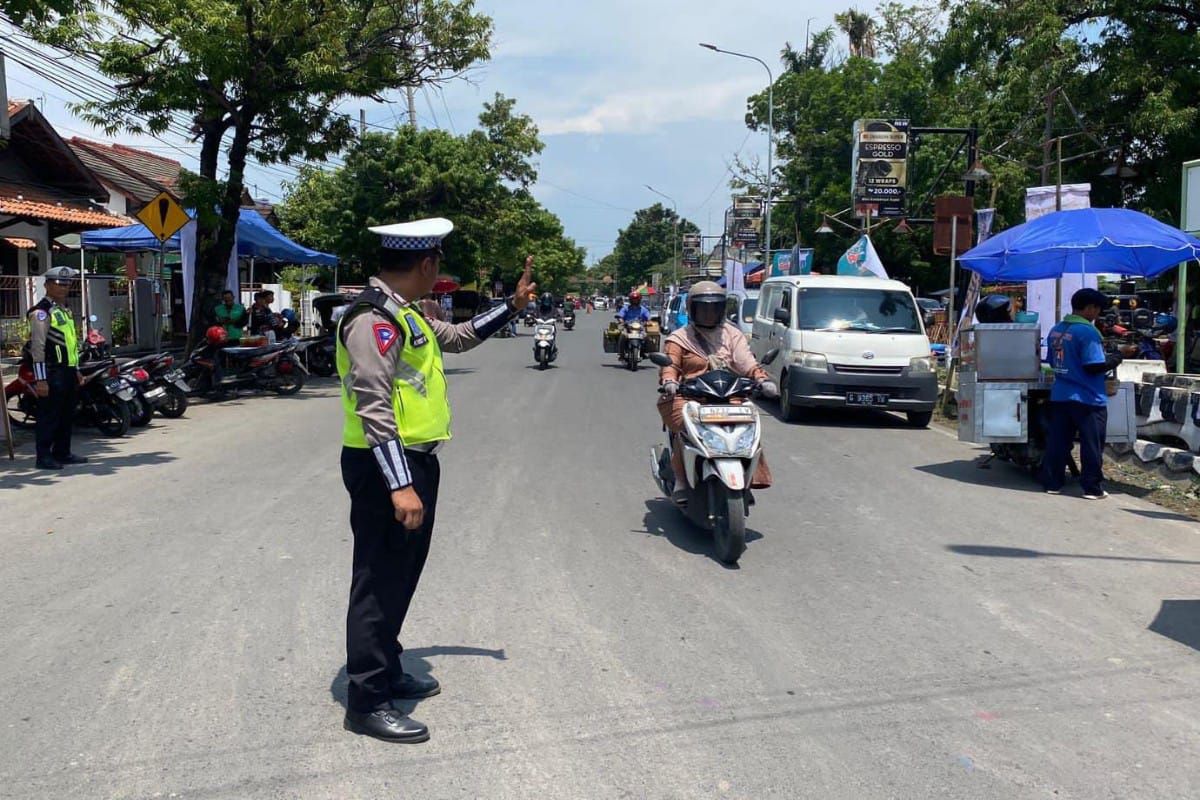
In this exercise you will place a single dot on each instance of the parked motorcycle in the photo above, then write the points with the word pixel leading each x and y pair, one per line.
pixel 545 349
pixel 273 367
pixel 721 449
pixel 633 345
pixel 158 385
pixel 104 398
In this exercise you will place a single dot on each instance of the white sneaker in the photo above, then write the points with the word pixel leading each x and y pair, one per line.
pixel 1054 491
pixel 1103 494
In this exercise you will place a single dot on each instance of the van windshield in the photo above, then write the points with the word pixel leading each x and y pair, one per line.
pixel 749 306
pixel 869 310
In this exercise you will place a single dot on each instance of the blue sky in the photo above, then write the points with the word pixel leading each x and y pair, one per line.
pixel 620 90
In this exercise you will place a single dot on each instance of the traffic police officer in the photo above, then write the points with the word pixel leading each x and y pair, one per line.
pixel 396 416
pixel 54 352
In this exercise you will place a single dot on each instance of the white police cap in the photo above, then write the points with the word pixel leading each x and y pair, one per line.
pixel 61 274
pixel 423 234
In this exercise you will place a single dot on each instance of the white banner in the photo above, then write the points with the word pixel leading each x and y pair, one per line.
pixel 187 257
pixel 735 280
pixel 1039 295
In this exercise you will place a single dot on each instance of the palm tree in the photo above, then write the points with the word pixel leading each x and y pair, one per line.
pixel 860 28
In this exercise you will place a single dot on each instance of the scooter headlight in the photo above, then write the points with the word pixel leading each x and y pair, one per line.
pixel 745 442
pixel 714 441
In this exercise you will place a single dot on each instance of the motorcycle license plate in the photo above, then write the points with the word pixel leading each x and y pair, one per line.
pixel 738 413
pixel 157 393
pixel 182 385
pixel 174 375
pixel 866 399
pixel 113 385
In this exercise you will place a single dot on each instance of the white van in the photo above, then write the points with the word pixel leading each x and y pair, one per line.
pixel 845 341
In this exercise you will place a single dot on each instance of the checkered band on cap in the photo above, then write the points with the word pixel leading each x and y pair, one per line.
pixel 412 242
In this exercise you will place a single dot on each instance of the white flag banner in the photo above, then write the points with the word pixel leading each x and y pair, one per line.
pixel 187 258
pixel 1039 295
pixel 735 276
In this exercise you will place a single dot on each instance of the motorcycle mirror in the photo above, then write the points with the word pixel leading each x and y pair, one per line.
pixel 660 359
pixel 771 355
pixel 93 318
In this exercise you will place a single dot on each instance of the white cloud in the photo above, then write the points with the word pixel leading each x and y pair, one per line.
pixel 647 110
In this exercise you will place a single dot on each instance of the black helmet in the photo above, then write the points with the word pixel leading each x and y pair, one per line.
pixel 994 308
pixel 706 305
pixel 546 302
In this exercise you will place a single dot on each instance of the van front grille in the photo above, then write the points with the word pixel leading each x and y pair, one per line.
pixel 866 369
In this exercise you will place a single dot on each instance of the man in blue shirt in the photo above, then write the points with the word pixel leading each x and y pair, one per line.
pixel 634 312
pixel 1078 402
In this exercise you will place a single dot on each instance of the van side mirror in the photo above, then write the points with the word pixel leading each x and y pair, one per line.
pixel 771 355
pixel 783 316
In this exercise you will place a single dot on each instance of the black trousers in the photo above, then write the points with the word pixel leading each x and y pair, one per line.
pixel 1091 422
pixel 388 559
pixel 55 412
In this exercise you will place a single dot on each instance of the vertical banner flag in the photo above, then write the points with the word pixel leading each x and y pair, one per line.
pixel 1039 295
pixel 187 257
pixel 861 259
pixel 735 280
pixel 984 218
pixel 802 260
pixel 781 263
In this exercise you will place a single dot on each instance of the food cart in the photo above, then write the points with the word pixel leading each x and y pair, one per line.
pixel 1004 391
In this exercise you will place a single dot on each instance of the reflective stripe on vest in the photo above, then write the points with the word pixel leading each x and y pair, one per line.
pixel 63 338
pixel 419 398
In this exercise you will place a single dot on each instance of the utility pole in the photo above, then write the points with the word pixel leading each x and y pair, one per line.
pixel 412 106
pixel 362 123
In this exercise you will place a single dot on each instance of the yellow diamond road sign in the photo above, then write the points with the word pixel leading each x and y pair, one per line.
pixel 163 217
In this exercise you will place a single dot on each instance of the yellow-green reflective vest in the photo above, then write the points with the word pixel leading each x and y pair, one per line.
pixel 419 398
pixel 62 339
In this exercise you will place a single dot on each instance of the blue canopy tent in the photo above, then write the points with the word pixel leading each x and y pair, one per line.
pixel 255 239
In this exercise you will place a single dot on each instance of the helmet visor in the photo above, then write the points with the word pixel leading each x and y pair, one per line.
pixel 707 313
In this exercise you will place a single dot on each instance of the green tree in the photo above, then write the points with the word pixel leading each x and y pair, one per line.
pixel 478 180
pixel 860 28
pixel 646 243
pixel 265 74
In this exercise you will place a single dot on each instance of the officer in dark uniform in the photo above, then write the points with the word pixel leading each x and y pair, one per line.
pixel 396 417
pixel 54 353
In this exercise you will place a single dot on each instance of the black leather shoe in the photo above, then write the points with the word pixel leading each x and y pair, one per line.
pixel 48 463
pixel 410 687
pixel 386 724
pixel 74 459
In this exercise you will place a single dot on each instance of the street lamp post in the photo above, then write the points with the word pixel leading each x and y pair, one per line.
pixel 674 236
pixel 770 132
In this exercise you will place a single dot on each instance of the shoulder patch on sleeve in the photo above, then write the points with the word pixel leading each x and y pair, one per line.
pixel 41 316
pixel 385 336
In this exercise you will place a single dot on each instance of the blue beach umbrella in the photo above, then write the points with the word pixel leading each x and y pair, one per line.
pixel 1088 240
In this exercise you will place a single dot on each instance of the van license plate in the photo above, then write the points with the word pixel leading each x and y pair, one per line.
pixel 866 399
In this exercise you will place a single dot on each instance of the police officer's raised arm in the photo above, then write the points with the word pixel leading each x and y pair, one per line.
pixel 465 335
pixel 374 344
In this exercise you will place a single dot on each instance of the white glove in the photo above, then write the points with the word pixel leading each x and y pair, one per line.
pixel 769 389
pixel 670 388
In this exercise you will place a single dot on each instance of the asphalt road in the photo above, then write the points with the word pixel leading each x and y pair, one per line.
pixel 902 625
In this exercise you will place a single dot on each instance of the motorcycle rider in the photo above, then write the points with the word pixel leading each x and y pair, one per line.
pixel 546 308
pixel 634 311
pixel 708 342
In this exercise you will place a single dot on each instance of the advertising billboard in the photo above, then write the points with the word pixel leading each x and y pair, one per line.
pixel 879 166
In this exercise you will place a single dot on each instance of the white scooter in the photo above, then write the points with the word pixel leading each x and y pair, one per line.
pixel 544 348
pixel 721 450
